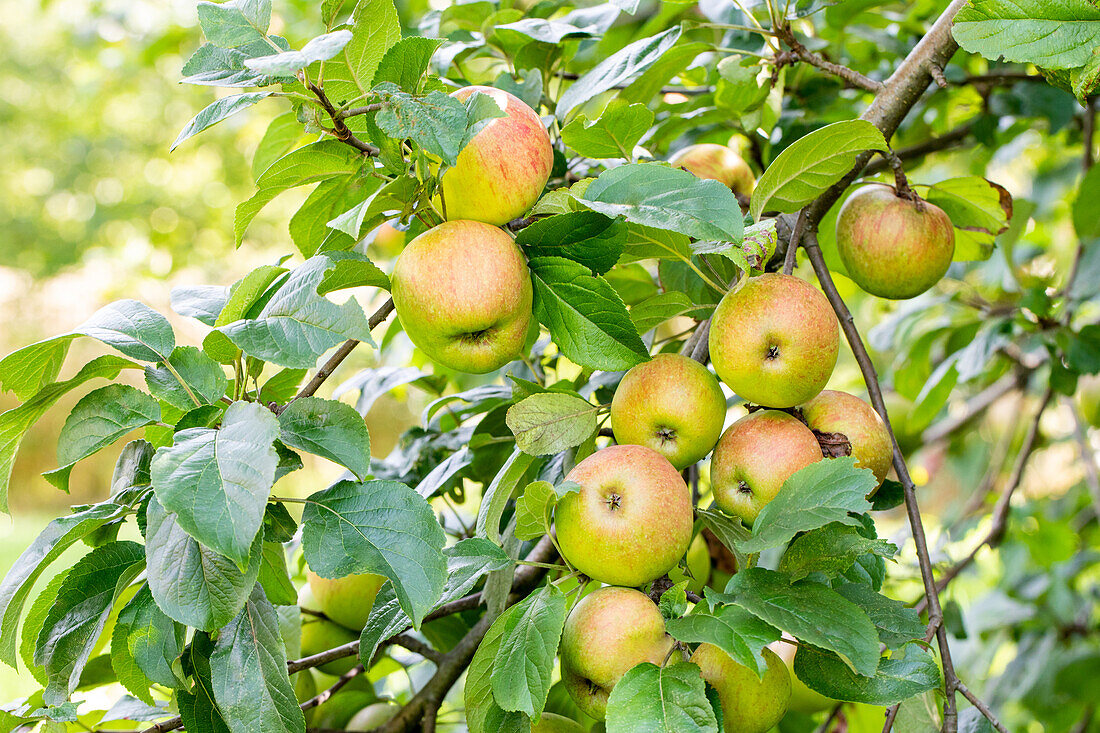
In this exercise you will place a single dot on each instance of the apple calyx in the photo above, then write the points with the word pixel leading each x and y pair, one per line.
pixel 744 488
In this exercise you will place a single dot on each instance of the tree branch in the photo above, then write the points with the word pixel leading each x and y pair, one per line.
pixel 932 145
pixel 799 52
pixel 340 130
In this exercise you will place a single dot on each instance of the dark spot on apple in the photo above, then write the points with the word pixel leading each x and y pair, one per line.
pixel 744 488
pixel 833 445
pixel 614 501
pixel 773 352
pixel 666 434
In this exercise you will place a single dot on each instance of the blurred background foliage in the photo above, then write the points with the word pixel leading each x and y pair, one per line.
pixel 94 208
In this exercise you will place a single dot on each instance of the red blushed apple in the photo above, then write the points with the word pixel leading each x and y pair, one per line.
pixel 502 171
pixel 893 247
pixel 848 415
pixel 755 456
pixel 774 340
pixel 631 520
pixel 718 162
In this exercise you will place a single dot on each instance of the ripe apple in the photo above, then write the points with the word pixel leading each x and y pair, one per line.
pixel 347 601
pixel 371 717
pixel 607 633
pixel 710 160
pixel 502 171
pixel 319 635
pixel 893 247
pixel 755 456
pixel 698 562
pixel 1088 399
pixel 551 723
pixel 750 704
pixel 463 294
pixel 803 699
pixel 631 520
pixel 671 404
pixel 774 340
pixel 840 412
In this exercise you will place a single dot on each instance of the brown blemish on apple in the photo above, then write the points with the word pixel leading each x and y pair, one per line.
pixel 833 445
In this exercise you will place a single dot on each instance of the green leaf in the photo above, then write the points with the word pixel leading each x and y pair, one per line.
pixel 586 237
pixel 547 31
pixel 274 576
pixel 1057 35
pixel 100 418
pixel 657 309
pixel 15 422
pixel 151 640
pixel 329 429
pixel 618 69
pixel 203 377
pixel 811 612
pixel 733 630
pixel 830 550
pixel 551 422
pixel 667 198
pixel 249 675
pixel 652 699
pixel 352 270
pixel 585 315
pixel 524 661
pixel 979 209
pixel 321 48
pixel 234 23
pixel 534 509
pixel 613 135
pixel 897 624
pixel 309 227
pixel 79 613
pixel 812 164
pixel 198 710
pixel 440 124
pixel 897 679
pixel 201 302
pixel 375 28
pixel 216 112
pixel 381 527
pixel 391 198
pixel 405 62
pixel 1086 208
pixel 729 531
pixel 32 624
pixel 483 714
pixel 297 325
pixel 279 139
pixel 673 602
pixel 216 481
pixel 818 494
pixel 133 328
pixel 31 368
pixel 500 490
pixel 212 65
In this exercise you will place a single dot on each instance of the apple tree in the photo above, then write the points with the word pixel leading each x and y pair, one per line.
pixel 631 243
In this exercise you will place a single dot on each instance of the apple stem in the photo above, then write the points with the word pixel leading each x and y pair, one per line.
pixel 904 190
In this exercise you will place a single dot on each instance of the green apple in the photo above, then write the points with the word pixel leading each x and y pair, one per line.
pixel 750 704
pixel 503 170
pixel 372 716
pixel 774 340
pixel 848 415
pixel 606 634
pixel 463 294
pixel 671 404
pixel 388 240
pixel 338 710
pixel 550 723
pixel 347 601
pixel 803 699
pixel 319 635
pixel 631 520
pixel 893 247
pixel 710 160
pixel 755 456
pixel 305 688
pixel 698 562
pixel 1088 399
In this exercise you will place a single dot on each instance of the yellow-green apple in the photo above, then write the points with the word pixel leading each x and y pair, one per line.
pixel 388 240
pixel 847 415
pixel 320 635
pixel 671 404
pixel 891 246
pixel 803 699
pixel 347 601
pixel 606 634
pixel 710 160
pixel 551 723
pixel 1088 399
pixel 371 717
pixel 335 712
pixel 750 704
pixel 631 520
pixel 305 688
pixel 463 294
pixel 502 171
pixel 774 340
pixel 698 564
pixel 755 456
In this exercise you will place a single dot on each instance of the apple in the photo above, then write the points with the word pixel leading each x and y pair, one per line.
pixel 388 239
pixel 319 635
pixel 305 688
pixel 840 412
pixel 893 247
pixel 698 563
pixel 347 601
pixel 721 163
pixel 463 294
pixel 750 704
pixel 671 404
pixel 1088 399
pixel 371 717
pixel 755 456
pixel 502 171
pixel 774 340
pixel 803 699
pixel 607 633
pixel 550 723
pixel 631 520
pixel 338 710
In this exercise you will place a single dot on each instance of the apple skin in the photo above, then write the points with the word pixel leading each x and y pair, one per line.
pixel 319 635
pixel 803 699
pixel 607 633
pixel 889 247
pixel 347 601
pixel 750 704
pixel 551 723
pixel 631 520
pixel 671 404
pixel 463 294
pixel 371 717
pixel 335 712
pixel 1088 399
pixel 305 688
pixel 755 456
pixel 774 340
pixel 388 240
pixel 503 170
pixel 840 412
pixel 718 162
pixel 698 562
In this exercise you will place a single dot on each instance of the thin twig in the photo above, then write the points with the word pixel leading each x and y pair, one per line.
pixel 416 646
pixel 974 407
pixel 981 706
pixel 340 130
pixel 799 52
pixel 323 697
pixel 945 141
pixel 824 727
pixel 790 258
